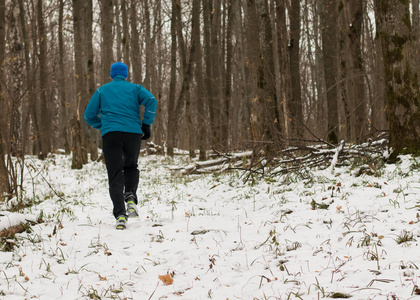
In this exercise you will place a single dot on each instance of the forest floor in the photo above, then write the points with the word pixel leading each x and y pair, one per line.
pixel 332 234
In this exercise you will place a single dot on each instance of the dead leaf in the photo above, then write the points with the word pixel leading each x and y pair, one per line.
pixel 102 278
pixel 166 279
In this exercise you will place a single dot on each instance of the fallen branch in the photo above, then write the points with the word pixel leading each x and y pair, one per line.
pixel 11 231
pixel 215 165
pixel 292 159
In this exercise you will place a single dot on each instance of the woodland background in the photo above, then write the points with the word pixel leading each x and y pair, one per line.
pixel 227 74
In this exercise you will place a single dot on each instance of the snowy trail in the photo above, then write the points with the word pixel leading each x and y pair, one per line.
pixel 219 238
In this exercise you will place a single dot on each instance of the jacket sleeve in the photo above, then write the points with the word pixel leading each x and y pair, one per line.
pixel 149 102
pixel 93 110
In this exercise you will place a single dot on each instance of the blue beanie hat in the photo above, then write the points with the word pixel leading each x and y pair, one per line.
pixel 119 68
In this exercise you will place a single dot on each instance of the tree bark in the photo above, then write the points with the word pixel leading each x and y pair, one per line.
pixel 295 104
pixel 254 71
pixel 378 115
pixel 216 79
pixel 359 90
pixel 43 67
pixel 92 134
pixel 79 151
pixel 106 41
pixel 4 179
pixel 401 77
pixel 172 86
pixel 202 119
pixel 135 46
pixel 207 9
pixel 64 123
pixel 149 47
pixel 126 36
pixel 284 62
pixel 267 84
pixel 329 24
pixel 416 29
pixel 30 95
pixel 226 128
pixel 184 99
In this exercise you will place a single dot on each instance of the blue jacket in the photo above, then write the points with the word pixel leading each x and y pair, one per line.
pixel 115 107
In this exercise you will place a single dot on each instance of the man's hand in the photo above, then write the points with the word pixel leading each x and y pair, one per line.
pixel 146 131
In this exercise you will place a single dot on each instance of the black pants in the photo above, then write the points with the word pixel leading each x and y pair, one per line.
pixel 121 152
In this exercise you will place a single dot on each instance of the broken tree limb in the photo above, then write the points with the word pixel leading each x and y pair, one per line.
pixel 293 159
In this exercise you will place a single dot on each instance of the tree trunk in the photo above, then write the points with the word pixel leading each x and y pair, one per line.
pixel 43 73
pixel 401 78
pixel 295 104
pixel 149 47
pixel 92 134
pixel 64 123
pixel 416 29
pixel 267 84
pixel 359 90
pixel 106 41
pixel 118 30
pixel 254 71
pixel 172 85
pixel 4 179
pixel 284 62
pixel 79 151
pixel 126 36
pixel 13 97
pixel 30 95
pixel 226 128
pixel 378 114
pixel 329 24
pixel 216 79
pixel 207 9
pixel 202 119
pixel 135 46
pixel 160 66
pixel 184 99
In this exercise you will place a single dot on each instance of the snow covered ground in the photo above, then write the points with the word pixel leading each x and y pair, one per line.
pixel 333 235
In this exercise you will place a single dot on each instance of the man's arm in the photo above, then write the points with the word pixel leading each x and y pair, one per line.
pixel 92 111
pixel 150 103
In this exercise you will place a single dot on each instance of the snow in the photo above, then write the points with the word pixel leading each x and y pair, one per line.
pixel 218 237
